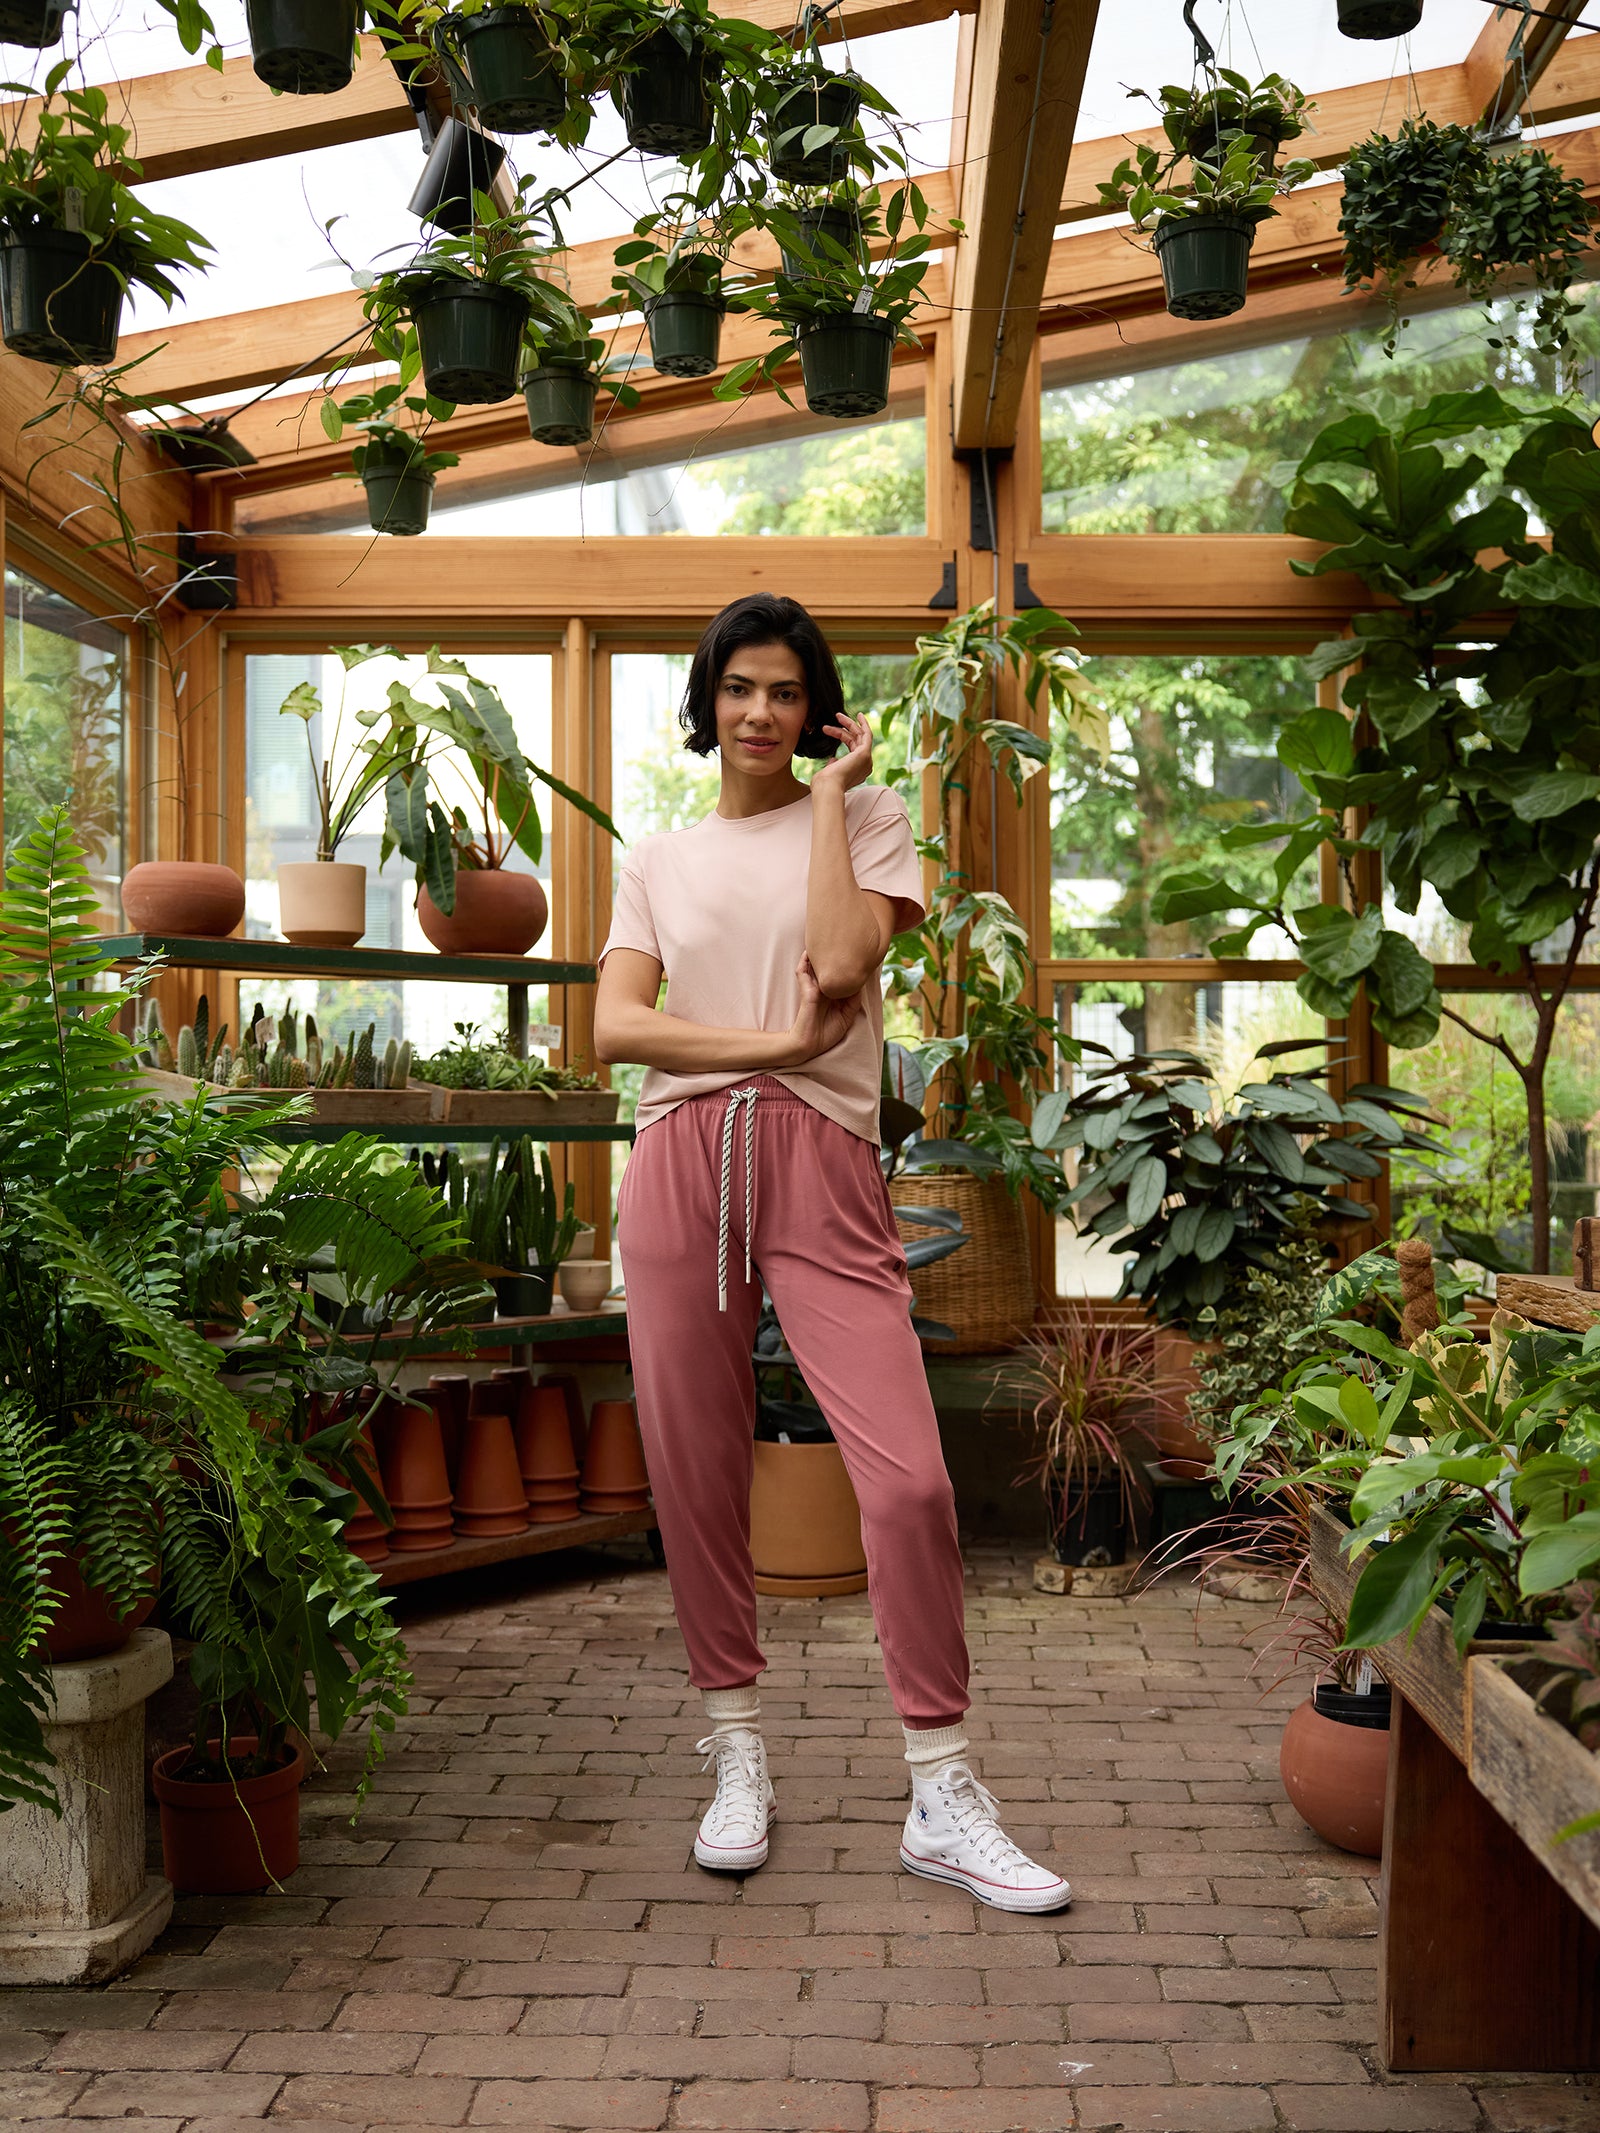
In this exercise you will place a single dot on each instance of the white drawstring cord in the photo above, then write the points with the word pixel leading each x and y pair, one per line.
pixel 746 1096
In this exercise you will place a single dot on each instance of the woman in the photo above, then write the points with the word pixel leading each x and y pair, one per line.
pixel 756 1162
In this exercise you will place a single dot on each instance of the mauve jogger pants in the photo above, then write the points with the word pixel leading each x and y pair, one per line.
pixel 823 1239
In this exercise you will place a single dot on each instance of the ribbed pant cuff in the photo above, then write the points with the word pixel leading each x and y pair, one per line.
pixel 732 1707
pixel 929 1748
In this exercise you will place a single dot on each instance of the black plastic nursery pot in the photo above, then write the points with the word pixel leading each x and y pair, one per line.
pixel 840 225
pixel 526 1295
pixel 1205 264
pixel 831 100
pixel 463 160
pixel 306 47
pixel 1092 1532
pixel 517 83
pixel 34 23
pixel 685 332
pixel 1351 1707
pixel 1379 18
pixel 399 490
pixel 560 399
pixel 470 333
pixel 844 363
pixel 666 105
pixel 1267 127
pixel 57 304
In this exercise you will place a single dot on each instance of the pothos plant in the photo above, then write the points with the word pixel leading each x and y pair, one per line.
pixel 968 964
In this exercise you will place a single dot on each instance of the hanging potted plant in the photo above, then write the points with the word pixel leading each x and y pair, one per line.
pixel 74 237
pixel 1379 18
pixel 563 374
pixel 810 117
pixel 681 75
pixel 392 461
pixel 818 232
pixel 1201 227
pixel 680 292
pixel 469 899
pixel 508 62
pixel 304 47
pixel 38 24
pixel 1201 121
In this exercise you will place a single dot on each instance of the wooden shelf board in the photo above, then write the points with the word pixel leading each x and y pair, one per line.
pixel 557 1325
pixel 279 959
pixel 433 1131
pixel 580 1532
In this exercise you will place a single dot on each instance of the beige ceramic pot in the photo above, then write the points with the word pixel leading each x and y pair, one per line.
pixel 805 1524
pixel 188 899
pixel 584 1283
pixel 322 903
pixel 496 913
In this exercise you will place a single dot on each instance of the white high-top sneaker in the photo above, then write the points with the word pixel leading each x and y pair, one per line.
pixel 953 1834
pixel 733 1833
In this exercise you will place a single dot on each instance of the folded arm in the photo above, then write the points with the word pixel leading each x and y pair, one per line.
pixel 848 928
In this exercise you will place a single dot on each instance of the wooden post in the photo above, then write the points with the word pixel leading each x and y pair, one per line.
pixel 580 876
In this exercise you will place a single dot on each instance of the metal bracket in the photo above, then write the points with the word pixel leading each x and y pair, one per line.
pixel 207 581
pixel 946 595
pixel 1022 593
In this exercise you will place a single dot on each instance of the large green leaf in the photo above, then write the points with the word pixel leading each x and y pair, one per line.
pixel 1393 1591
pixel 1146 1190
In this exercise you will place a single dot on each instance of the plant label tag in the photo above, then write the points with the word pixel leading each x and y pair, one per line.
pixel 864 296
pixel 72 206
pixel 546 1035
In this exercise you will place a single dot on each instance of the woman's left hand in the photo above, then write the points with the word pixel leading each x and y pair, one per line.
pixel 854 767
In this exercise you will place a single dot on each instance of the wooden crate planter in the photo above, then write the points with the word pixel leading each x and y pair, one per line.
pixel 1534 1773
pixel 419 1104
pixel 527 1107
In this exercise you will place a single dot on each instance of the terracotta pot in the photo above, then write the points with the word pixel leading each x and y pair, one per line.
pixel 615 1477
pixel 496 913
pixel 415 1479
pixel 222 1839
pixel 449 1396
pixel 366 1534
pixel 1335 1774
pixel 544 1452
pixel 85 1626
pixel 490 1498
pixel 805 1524
pixel 184 898
pixel 585 1283
pixel 1181 1450
pixel 322 903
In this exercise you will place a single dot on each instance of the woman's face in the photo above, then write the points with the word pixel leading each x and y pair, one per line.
pixel 761 707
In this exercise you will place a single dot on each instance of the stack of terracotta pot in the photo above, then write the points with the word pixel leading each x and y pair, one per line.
pixel 366 1534
pixel 415 1477
pixel 490 1500
pixel 544 1450
pixel 614 1475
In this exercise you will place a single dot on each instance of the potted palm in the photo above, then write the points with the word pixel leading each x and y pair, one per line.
pixel 1201 227
pixel 304 47
pixel 75 236
pixel 393 462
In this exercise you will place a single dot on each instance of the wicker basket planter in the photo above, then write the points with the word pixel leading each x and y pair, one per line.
pixel 984 1291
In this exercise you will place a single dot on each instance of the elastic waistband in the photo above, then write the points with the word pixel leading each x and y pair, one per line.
pixel 773 1094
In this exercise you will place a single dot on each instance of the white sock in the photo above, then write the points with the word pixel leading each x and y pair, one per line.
pixel 931 1749
pixel 729 1709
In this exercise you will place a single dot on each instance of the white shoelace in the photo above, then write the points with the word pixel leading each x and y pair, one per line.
pixel 977 1821
pixel 741 1795
pixel 747 1097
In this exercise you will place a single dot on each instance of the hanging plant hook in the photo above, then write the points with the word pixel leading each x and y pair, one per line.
pixel 1205 55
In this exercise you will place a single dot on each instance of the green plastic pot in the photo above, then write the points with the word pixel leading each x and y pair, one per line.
pixel 57 304
pixel 470 333
pixel 844 363
pixel 305 47
pixel 841 225
pixel 833 100
pixel 1205 264
pixel 399 489
pixel 685 332
pixel 1379 18
pixel 517 84
pixel 560 399
pixel 666 105
pixel 34 23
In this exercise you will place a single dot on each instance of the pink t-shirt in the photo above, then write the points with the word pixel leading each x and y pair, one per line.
pixel 722 908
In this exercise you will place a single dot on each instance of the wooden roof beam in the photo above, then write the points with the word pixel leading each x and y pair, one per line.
pixel 1029 59
pixel 1512 52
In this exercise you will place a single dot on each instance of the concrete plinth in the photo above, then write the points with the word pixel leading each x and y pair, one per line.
pixel 1109 1581
pixel 76 1904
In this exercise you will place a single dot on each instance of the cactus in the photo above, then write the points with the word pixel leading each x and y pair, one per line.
pixel 401 1077
pixel 391 1053
pixel 188 1053
pixel 286 1030
pixel 364 1075
pixel 221 1072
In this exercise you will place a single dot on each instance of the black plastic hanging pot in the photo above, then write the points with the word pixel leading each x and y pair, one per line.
pixel 1092 1528
pixel 685 332
pixel 306 47
pixel 1266 127
pixel 470 333
pixel 35 23
pixel 1379 18
pixel 57 304
pixel 823 100
pixel 560 399
pixel 461 161
pixel 666 104
pixel 517 83
pixel 399 488
pixel 844 363
pixel 1205 263
pixel 840 225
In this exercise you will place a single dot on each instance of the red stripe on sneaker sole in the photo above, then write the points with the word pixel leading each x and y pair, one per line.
pixel 961 1878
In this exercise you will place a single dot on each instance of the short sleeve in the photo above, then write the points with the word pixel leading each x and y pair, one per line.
pixel 631 923
pixel 883 857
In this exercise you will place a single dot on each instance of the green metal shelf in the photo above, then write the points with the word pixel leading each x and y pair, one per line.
pixel 277 959
pixel 515 1332
pixel 457 1136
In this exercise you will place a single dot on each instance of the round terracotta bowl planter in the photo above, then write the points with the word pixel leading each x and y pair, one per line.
pixel 58 305
pixel 984 1292
pixel 1379 18
pixel 1205 264
pixel 666 105
pixel 227 1838
pixel 187 898
pixel 322 903
pixel 1334 1762
pixel 85 1626
pixel 517 84
pixel 304 47
pixel 805 1523
pixel 496 913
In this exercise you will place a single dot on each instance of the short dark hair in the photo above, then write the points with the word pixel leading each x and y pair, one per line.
pixel 763 618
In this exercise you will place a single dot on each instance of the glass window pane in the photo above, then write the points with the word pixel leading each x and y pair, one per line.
pixel 1193 741
pixel 64 726
pixel 281 825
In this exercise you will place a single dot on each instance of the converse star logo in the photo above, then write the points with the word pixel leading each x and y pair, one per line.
pixel 922 1814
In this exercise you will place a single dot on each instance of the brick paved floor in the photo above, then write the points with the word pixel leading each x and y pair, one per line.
pixel 515 1934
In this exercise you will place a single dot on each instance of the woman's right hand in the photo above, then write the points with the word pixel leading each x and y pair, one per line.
pixel 821 1023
